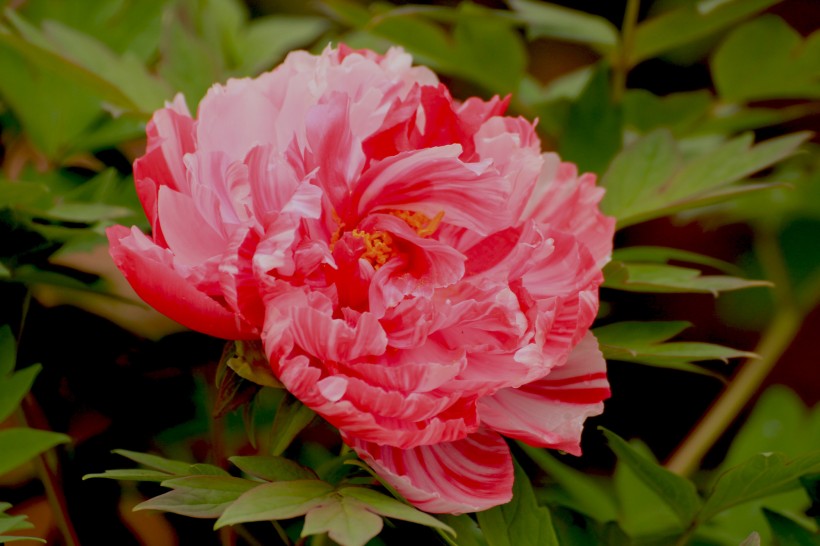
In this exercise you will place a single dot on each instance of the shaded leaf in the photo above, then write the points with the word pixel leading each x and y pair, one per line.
pixel 391 508
pixel 752 540
pixel 13 388
pixel 521 521
pixel 677 492
pixel 465 528
pixel 277 500
pixel 180 468
pixel 788 532
pixel 763 475
pixel 545 20
pixel 18 445
pixel 291 418
pixel 136 474
pixel 8 350
pixel 688 23
pixel 767 59
pixel 678 112
pixel 198 496
pixel 272 469
pixel 662 254
pixel 593 131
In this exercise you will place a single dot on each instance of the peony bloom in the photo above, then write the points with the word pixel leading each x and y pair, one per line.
pixel 420 274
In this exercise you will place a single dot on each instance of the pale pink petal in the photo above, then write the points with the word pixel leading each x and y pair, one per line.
pixel 551 412
pixel 569 203
pixel 177 214
pixel 434 180
pixel 327 338
pixel 467 475
pixel 150 272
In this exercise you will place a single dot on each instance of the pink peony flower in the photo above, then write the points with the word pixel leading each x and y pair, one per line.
pixel 420 274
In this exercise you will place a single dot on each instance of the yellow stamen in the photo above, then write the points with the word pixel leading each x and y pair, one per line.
pixel 419 221
pixel 377 246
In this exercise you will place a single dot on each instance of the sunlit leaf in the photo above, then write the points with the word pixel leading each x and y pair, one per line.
pixel 391 508
pixel 345 520
pixel 198 496
pixel 180 468
pixel 767 59
pixel 677 492
pixel 18 445
pixel 649 277
pixel 272 469
pixel 277 500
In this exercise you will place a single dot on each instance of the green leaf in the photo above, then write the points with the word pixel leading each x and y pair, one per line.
pixel 8 350
pixel 346 12
pixel 136 474
pixel 267 39
pixel 752 540
pixel 14 388
pixel 767 59
pixel 277 500
pixel 670 278
pixel 679 112
pixel 677 492
pixel 345 520
pixel 179 468
pixel 648 178
pixel 291 418
pixel 391 508
pixel 546 20
pixel 593 131
pixel 662 254
pixel 272 469
pixel 18 445
pixel 689 23
pixel 188 63
pixel 763 475
pixel 465 528
pixel 788 532
pixel 520 522
pixel 588 495
pixel 198 496
pixel 250 362
pixel 645 343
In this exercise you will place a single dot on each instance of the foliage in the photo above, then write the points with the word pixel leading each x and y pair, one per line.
pixel 73 117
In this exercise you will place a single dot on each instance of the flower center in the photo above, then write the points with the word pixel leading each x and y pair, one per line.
pixel 423 225
pixel 377 246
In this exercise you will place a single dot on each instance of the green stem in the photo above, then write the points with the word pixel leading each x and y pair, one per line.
pixel 281 532
pixel 31 414
pixel 776 339
pixel 621 63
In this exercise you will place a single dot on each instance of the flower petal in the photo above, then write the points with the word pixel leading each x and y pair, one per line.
pixel 551 412
pixel 467 475
pixel 149 269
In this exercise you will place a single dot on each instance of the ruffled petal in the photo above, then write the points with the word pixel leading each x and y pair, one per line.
pixel 467 475
pixel 149 269
pixel 551 412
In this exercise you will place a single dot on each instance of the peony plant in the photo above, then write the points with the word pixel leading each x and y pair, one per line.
pixel 420 274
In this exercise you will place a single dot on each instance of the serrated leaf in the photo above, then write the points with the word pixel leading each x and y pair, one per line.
pixel 767 59
pixel 677 492
pixel 593 133
pixel 136 474
pixel 652 278
pixel 520 522
pixel 347 521
pixel 545 20
pixel 277 500
pixel 788 532
pixel 391 508
pixel 179 468
pixel 14 388
pixel 763 475
pixel 648 178
pixel 272 469
pixel 8 350
pixel 198 496
pixel 688 23
pixel 18 445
